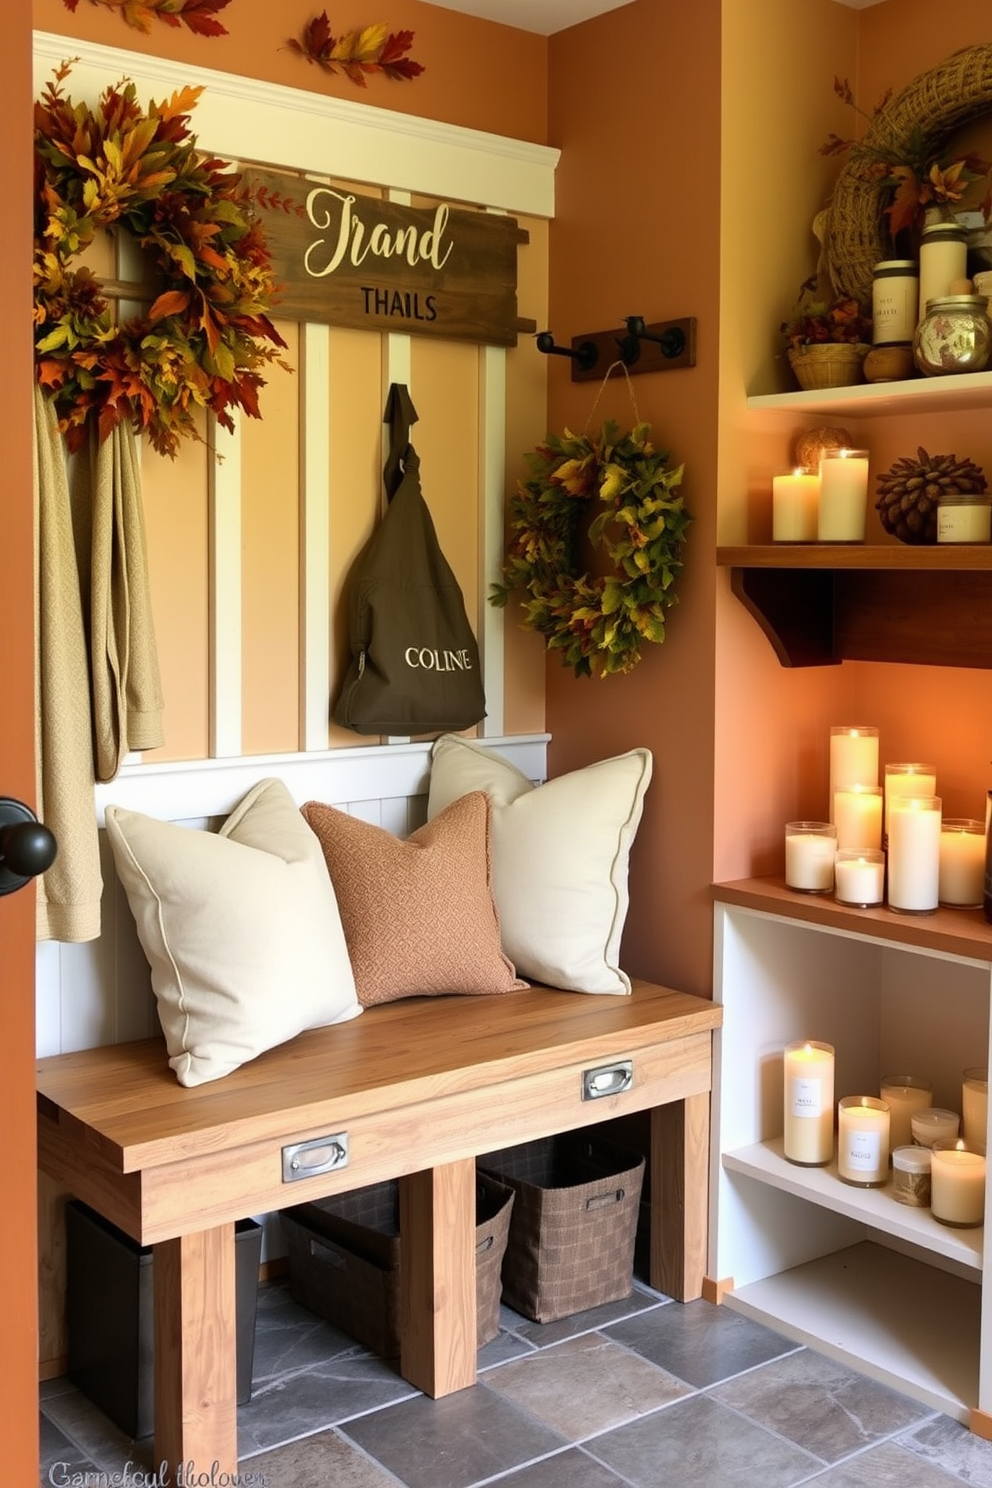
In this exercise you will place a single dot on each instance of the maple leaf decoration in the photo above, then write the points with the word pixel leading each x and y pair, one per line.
pixel 198 15
pixel 359 52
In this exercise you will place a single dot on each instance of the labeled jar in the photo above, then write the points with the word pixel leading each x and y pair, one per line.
pixel 955 335
pixel 895 299
pixel 943 258
pixel 964 517
pixel 911 1176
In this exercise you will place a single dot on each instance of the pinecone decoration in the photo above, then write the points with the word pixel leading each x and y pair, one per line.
pixel 908 493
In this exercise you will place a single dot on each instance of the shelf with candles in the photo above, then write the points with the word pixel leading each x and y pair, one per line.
pixel 946 394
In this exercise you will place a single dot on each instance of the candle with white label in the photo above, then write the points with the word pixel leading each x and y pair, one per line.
pixel 809 1103
pixel 857 815
pixel 863 1141
pixel 853 757
pixel 975 1107
pixel 795 501
pixel 859 878
pixel 904 1094
pixel 957 1185
pixel 962 862
pixel 914 854
pixel 907 780
pixel 843 496
pixel 809 856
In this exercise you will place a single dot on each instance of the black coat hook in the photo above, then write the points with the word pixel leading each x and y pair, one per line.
pixel 672 341
pixel 585 356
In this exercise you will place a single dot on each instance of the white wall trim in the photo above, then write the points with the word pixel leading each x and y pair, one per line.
pixel 246 118
pixel 187 790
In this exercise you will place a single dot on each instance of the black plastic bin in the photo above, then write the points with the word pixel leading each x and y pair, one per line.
pixel 109 1315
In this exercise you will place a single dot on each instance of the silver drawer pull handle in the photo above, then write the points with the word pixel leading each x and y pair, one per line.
pixel 319 1155
pixel 608 1079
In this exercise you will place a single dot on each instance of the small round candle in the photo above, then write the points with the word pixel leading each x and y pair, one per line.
pixel 859 878
pixel 809 856
pixel 957 1185
pixel 911 1176
pixel 962 862
pixel 809 1103
pixel 903 1095
pixel 933 1124
pixel 863 1141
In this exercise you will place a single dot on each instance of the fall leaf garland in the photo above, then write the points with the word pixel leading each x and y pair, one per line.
pixel 597 624
pixel 204 338
pixel 198 15
pixel 357 53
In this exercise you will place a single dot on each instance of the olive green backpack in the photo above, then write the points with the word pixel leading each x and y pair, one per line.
pixel 414 659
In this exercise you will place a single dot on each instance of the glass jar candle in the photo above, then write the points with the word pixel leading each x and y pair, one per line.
pixel 911 1176
pixel 955 335
pixel 895 301
pixel 964 517
pixel 809 856
pixel 975 1107
pixel 914 855
pixel 907 780
pixel 933 1124
pixel 961 879
pixel 957 1185
pixel 903 1095
pixel 943 259
pixel 843 506
pixel 863 1141
pixel 857 815
pixel 853 757
pixel 809 1103
pixel 795 500
pixel 859 877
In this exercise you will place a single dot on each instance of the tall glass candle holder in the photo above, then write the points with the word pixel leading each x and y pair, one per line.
pixel 843 496
pixel 962 862
pixel 795 505
pixel 904 1094
pixel 809 1103
pixel 975 1107
pixel 863 1141
pixel 957 1185
pixel 914 854
pixel 809 856
pixel 857 815
pixel 907 780
pixel 853 758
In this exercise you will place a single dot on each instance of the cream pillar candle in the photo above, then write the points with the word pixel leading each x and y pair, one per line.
pixel 962 862
pixel 933 1124
pixel 809 1104
pixel 975 1107
pixel 914 854
pixel 843 496
pixel 853 757
pixel 907 780
pixel 809 856
pixel 863 1141
pixel 857 815
pixel 795 502
pixel 957 1185
pixel 904 1094
pixel 859 877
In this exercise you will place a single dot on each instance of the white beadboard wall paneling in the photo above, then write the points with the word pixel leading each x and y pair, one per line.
pixel 492 485
pixel 246 118
pixel 315 514
pixel 181 790
pixel 225 591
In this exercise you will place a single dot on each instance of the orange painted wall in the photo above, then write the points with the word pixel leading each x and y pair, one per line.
pixel 477 74
pixel 637 232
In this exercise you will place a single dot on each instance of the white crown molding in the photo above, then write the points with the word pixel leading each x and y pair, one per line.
pixel 245 119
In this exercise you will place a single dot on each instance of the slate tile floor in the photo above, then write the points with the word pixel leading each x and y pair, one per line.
pixel 644 1393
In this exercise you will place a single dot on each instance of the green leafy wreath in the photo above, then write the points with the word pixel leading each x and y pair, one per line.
pixel 598 624
pixel 202 340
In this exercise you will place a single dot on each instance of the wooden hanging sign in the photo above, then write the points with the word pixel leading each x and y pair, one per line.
pixel 357 261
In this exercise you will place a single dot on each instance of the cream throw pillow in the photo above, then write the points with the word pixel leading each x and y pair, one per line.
pixel 560 855
pixel 240 927
pixel 418 914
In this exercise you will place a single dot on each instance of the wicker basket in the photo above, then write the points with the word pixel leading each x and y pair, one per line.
pixel 936 103
pixel 828 364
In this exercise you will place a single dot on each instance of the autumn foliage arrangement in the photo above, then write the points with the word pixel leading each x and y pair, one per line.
pixel 358 53
pixel 199 16
pixel 205 337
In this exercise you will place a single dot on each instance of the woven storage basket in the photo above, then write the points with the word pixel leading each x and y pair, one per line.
pixel 345 1256
pixel 827 364
pixel 573 1225
pixel 936 103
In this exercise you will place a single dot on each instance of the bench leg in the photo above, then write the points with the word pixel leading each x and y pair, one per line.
pixel 680 1139
pixel 195 1330
pixel 437 1278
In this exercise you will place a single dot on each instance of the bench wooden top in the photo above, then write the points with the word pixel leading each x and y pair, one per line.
pixel 137 1116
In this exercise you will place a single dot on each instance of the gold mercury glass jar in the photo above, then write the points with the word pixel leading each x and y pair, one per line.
pixel 955 335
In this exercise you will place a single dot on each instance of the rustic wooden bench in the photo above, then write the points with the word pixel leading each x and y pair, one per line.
pixel 414 1090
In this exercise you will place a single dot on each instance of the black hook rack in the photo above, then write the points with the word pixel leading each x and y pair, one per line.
pixel 671 340
pixel 585 355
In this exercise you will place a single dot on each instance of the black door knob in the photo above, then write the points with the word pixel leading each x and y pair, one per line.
pixel 27 848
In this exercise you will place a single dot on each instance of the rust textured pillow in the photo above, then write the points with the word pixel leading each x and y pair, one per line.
pixel 418 914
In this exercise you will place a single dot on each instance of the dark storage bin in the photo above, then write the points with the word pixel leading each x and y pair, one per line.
pixel 344 1260
pixel 109 1315
pixel 573 1223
